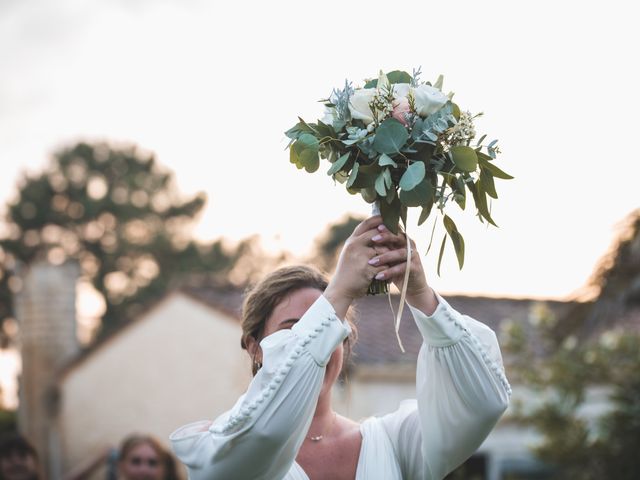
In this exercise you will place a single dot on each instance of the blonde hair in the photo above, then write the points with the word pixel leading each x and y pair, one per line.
pixel 167 460
pixel 266 295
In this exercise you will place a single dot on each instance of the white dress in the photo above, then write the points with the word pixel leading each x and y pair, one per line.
pixel 461 392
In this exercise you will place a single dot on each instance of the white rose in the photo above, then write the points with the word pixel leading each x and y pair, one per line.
pixel 401 90
pixel 359 104
pixel 428 100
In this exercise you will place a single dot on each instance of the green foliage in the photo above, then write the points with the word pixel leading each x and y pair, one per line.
pixel 390 137
pixel 8 421
pixel 425 160
pixel 563 370
pixel 465 158
pixel 304 152
pixel 413 175
pixel 116 212
pixel 330 242
pixel 397 76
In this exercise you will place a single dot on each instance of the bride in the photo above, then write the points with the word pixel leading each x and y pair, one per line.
pixel 284 426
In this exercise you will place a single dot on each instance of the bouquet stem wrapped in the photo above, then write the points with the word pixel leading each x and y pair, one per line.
pixel 376 287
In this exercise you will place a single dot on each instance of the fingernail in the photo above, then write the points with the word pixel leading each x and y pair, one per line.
pixel 374 261
pixel 380 276
pixel 377 238
pixel 381 227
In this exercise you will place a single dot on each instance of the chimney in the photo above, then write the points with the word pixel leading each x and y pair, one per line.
pixel 46 314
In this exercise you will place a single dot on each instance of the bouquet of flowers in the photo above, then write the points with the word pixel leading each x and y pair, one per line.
pixel 401 142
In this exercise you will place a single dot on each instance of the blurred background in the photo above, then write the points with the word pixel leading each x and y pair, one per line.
pixel 145 184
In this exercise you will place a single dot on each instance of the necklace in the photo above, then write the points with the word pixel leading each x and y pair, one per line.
pixel 317 438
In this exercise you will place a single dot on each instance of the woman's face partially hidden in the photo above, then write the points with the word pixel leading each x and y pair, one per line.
pixel 288 312
pixel 142 463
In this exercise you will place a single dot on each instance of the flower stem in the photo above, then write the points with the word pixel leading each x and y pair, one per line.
pixel 377 287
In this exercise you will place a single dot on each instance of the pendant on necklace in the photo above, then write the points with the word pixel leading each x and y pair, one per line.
pixel 316 439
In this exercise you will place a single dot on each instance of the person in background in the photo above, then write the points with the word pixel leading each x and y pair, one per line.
pixel 142 457
pixel 18 459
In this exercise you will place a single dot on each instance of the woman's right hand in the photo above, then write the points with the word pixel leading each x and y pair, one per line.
pixel 354 273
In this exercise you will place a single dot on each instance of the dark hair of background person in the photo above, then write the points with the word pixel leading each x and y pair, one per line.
pixel 15 451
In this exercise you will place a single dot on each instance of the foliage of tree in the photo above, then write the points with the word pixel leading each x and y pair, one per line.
pixel 329 243
pixel 563 373
pixel 119 214
pixel 616 281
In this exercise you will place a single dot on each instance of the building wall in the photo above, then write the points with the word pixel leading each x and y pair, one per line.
pixel 378 390
pixel 45 309
pixel 179 363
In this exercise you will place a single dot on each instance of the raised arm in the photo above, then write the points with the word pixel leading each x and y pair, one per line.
pixel 261 435
pixel 460 383
pixel 259 438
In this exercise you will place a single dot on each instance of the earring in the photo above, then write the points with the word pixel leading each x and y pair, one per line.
pixel 257 365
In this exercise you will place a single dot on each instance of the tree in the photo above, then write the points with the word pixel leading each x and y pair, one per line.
pixel 329 243
pixel 596 345
pixel 119 214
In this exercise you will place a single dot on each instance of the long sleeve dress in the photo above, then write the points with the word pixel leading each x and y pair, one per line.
pixel 461 392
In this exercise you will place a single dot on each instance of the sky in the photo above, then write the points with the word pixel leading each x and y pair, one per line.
pixel 210 87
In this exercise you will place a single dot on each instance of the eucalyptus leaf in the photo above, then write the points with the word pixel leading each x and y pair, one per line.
pixel 424 214
pixel 442 245
pixel 325 130
pixel 460 196
pixel 391 214
pixel 480 199
pixel 421 195
pixel 465 158
pixel 456 111
pixel 367 175
pixel 353 175
pixel 386 160
pixel 338 164
pixel 341 177
pixel 310 160
pixel 433 231
pixel 496 172
pixel 391 195
pixel 368 194
pixel 398 76
pixel 293 158
pixel 388 181
pixel 456 238
pixel 412 176
pixel 432 125
pixel 390 136
pixel 488 185
pixel 306 149
pixel 298 129
pixel 380 185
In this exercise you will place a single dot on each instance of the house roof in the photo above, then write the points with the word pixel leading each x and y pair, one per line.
pixel 377 344
pixel 376 335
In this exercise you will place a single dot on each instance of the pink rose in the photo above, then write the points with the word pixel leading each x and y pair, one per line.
pixel 400 108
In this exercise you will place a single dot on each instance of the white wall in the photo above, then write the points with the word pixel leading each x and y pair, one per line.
pixel 179 363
